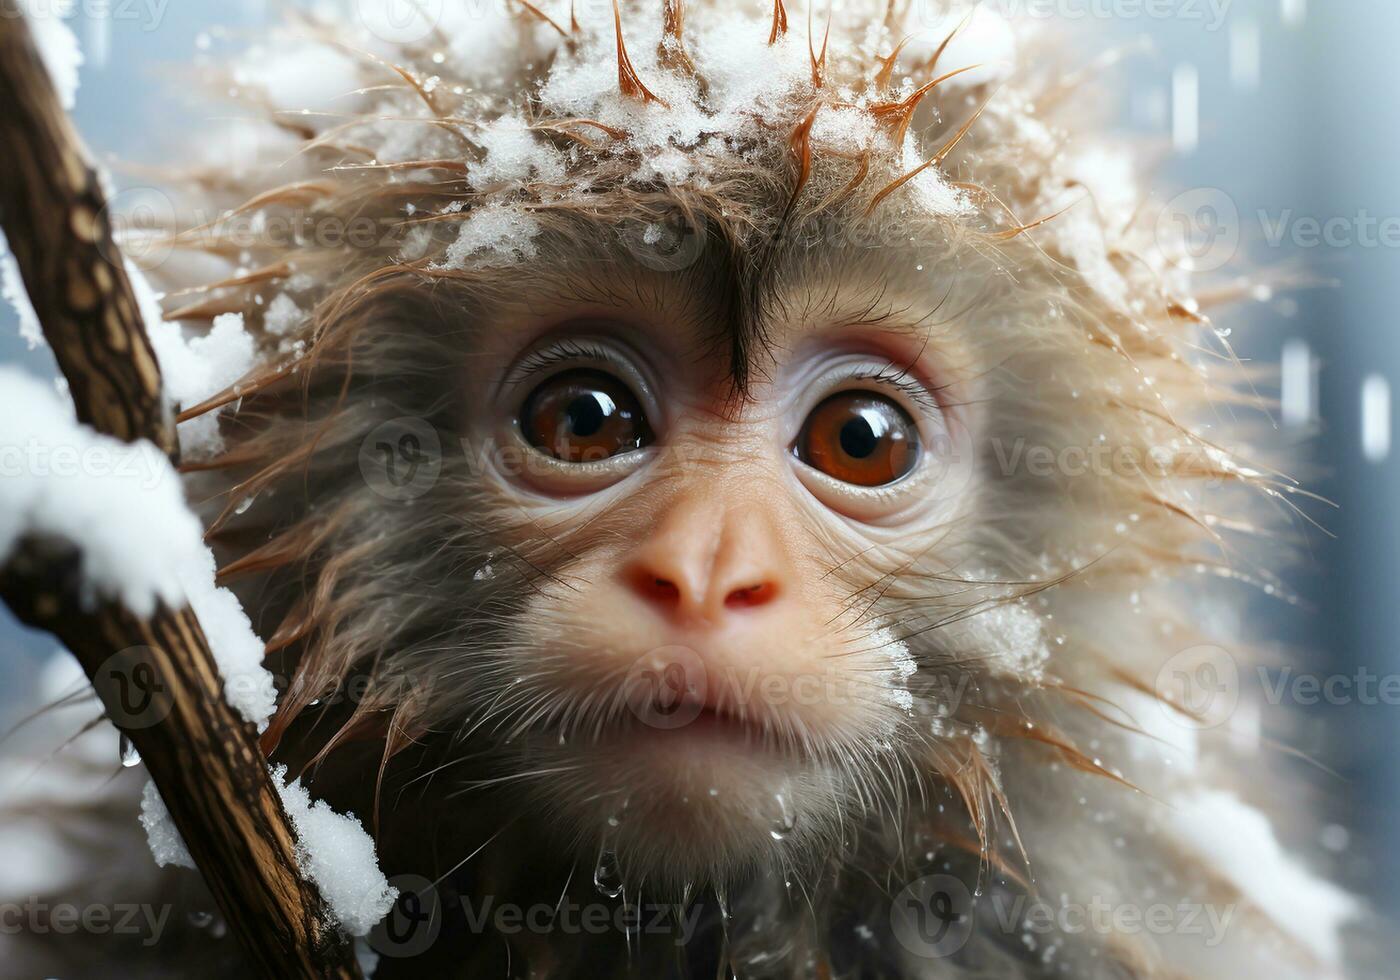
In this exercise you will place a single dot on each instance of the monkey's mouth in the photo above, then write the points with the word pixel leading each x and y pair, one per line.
pixel 641 716
pixel 702 723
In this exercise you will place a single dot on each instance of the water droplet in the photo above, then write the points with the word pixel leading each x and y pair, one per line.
pixel 199 918
pixel 607 877
pixel 243 505
pixel 786 819
pixel 1335 838
pixel 484 573
pixel 130 757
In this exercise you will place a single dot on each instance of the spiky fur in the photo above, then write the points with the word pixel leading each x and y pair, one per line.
pixel 1043 779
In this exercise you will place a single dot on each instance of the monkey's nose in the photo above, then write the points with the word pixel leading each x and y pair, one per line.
pixel 703 564
pixel 675 593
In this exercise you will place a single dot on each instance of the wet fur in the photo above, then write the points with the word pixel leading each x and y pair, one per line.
pixel 1030 786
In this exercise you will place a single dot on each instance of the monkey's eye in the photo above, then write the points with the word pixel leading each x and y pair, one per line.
pixel 583 416
pixel 859 437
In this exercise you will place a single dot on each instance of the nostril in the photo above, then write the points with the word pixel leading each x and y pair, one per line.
pixel 660 589
pixel 750 595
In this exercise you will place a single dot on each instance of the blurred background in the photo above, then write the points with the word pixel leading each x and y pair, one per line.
pixel 1276 124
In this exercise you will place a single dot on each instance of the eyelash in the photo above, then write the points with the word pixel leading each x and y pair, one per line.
pixel 897 379
pixel 542 361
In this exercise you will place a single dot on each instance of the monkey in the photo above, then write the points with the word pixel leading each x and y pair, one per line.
pixel 726 496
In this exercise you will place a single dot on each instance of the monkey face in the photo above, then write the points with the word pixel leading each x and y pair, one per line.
pixel 709 671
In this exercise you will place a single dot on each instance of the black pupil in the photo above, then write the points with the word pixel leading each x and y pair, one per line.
pixel 588 412
pixel 858 438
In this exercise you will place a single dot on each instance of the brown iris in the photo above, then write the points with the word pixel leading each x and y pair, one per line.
pixel 582 416
pixel 859 437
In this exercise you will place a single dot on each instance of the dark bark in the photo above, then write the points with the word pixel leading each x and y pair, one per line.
pixel 156 676
pixel 53 212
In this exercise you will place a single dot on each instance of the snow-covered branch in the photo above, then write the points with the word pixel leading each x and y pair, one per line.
pixel 117 569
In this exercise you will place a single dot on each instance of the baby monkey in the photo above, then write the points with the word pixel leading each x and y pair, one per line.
pixel 744 509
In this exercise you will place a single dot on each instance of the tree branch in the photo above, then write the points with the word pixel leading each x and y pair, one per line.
pixel 59 230
pixel 156 677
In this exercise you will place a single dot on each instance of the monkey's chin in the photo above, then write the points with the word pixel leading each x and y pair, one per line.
pixel 685 808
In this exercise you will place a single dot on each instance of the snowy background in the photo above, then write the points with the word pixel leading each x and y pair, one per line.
pixel 1280 121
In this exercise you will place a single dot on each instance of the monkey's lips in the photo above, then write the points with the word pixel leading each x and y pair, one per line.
pixel 727 714
pixel 709 723
pixel 700 715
